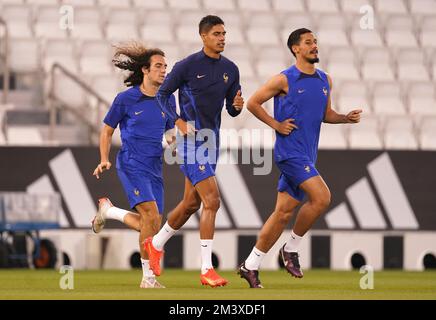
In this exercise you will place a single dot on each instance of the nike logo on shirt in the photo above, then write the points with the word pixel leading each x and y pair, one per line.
pixel 139 112
pixel 199 77
pixel 300 91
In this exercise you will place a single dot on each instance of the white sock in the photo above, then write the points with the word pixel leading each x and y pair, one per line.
pixel 116 214
pixel 254 259
pixel 163 236
pixel 293 242
pixel 146 271
pixel 206 255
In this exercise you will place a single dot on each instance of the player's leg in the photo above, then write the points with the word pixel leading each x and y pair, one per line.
pixel 177 218
pixel 189 205
pixel 268 236
pixel 210 197
pixel 318 201
pixel 150 220
pixel 106 210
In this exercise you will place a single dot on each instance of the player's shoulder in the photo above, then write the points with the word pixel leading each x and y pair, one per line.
pixel 323 75
pixel 128 96
pixel 229 62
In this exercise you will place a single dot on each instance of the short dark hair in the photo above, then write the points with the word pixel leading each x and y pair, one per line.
pixel 208 22
pixel 294 37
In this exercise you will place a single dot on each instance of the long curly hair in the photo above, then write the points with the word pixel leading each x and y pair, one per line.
pixel 133 56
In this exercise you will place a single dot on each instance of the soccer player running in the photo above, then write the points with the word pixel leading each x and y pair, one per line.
pixel 301 103
pixel 139 162
pixel 204 79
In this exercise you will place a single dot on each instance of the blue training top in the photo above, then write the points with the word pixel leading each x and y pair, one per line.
pixel 306 102
pixel 204 83
pixel 142 123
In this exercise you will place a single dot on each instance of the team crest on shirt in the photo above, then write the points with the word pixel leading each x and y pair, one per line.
pixel 325 91
pixel 201 167
pixel 307 169
pixel 136 192
pixel 225 77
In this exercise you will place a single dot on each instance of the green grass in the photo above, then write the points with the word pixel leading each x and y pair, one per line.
pixel 185 285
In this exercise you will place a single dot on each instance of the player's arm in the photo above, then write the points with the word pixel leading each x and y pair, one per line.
pixel 331 116
pixel 273 87
pixel 105 147
pixel 234 99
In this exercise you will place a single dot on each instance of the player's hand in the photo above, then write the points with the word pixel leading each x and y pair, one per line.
pixel 185 127
pixel 285 127
pixel 354 116
pixel 103 166
pixel 238 101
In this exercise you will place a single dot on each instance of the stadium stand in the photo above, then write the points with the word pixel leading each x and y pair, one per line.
pixel 388 71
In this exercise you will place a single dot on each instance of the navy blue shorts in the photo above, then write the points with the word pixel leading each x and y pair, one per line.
pixel 142 182
pixel 294 172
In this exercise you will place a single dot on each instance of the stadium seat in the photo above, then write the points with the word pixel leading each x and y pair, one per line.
pixel 87 24
pixel 184 4
pixel 390 6
pixel 122 25
pixel 411 65
pixel 188 35
pixel 268 68
pixel 190 17
pixel 332 137
pixel 342 64
pixel 47 25
pixel 24 136
pixel 388 99
pixel 41 2
pixel 68 91
pixel 353 6
pixel 259 36
pixel 157 33
pixel 24 55
pixel 400 133
pixel 219 5
pixel 400 32
pixel 377 65
pixel 116 4
pixel 352 95
pixel 247 6
pixel 18 18
pixel 322 6
pixel 155 4
pixel 422 7
pixel 365 135
pixel 293 6
pixel 422 99
pixel 366 38
pixel 62 52
pixel 95 58
pixel 428 133
pixel 428 32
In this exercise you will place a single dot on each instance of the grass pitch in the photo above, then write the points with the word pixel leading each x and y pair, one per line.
pixel 185 285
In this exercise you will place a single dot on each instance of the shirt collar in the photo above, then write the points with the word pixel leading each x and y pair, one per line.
pixel 204 55
pixel 137 94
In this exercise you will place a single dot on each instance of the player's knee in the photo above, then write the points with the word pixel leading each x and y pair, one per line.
pixel 192 207
pixel 284 216
pixel 323 201
pixel 212 203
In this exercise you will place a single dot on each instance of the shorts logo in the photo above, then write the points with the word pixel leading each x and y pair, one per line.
pixel 225 77
pixel 136 191
pixel 202 167
pixel 307 169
